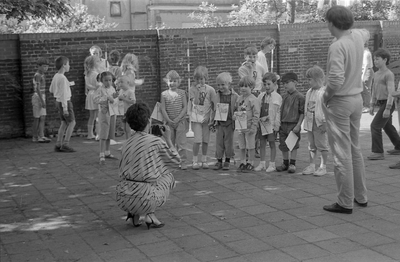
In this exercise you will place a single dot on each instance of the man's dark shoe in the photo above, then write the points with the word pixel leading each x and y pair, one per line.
pixel 67 149
pixel 281 168
pixel 394 152
pixel 395 166
pixel 336 208
pixel 361 204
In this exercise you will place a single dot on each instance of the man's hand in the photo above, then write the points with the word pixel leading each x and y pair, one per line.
pixel 386 113
pixel 371 110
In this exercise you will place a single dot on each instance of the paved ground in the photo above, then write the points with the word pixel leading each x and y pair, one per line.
pixel 61 207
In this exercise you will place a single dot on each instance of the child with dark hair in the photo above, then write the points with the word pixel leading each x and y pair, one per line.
pixel 382 90
pixel 61 89
pixel 39 101
pixel 106 96
pixel 292 115
pixel 113 58
pixel 267 45
pixel 248 103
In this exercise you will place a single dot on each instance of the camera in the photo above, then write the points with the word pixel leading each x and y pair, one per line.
pixel 156 130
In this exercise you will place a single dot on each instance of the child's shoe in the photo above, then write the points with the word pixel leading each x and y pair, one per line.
pixel 195 166
pixel 43 140
pixel 309 170
pixel 241 167
pixel 281 168
pixel 226 166
pixel 292 169
pixel 205 165
pixel 217 166
pixel 260 167
pixel 320 172
pixel 67 149
pixel 110 156
pixel 271 169
pixel 102 160
pixel 248 168
pixel 57 148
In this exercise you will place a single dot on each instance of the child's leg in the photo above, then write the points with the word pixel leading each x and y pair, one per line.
pixel 90 123
pixel 252 156
pixel 219 143
pixel 127 130
pixel 324 158
pixel 272 147
pixel 205 140
pixel 68 132
pixel 197 130
pixel 102 150
pixel 263 142
pixel 42 119
pixel 180 142
pixel 243 156
pixel 204 149
pixel 35 127
pixel 61 131
pixel 107 147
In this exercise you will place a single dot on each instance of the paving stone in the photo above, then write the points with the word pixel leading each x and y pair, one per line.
pixel 366 255
pixel 306 251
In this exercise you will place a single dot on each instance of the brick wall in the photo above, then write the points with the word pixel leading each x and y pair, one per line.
pixel 299 46
pixel 11 100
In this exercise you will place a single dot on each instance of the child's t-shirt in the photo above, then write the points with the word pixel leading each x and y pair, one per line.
pixel 100 97
pixel 226 99
pixel 41 84
pixel 256 71
pixel 251 105
pixel 173 102
pixel 91 81
pixel 60 87
pixel 292 107
pixel 383 85
pixel 204 96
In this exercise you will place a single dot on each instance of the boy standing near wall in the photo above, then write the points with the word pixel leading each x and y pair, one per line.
pixel 383 87
pixel 60 87
pixel 267 45
pixel 39 102
pixel 252 68
pixel 292 115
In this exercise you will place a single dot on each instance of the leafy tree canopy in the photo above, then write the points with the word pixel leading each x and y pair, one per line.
pixel 25 9
pixel 76 20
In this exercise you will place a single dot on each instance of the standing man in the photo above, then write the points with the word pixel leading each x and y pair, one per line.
pixel 343 108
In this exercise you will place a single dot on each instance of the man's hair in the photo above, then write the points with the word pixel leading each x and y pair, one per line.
pixel 383 53
pixel 340 16
pixel 267 41
pixel 201 71
pixel 224 77
pixel 317 74
pixel 247 81
pixel 114 57
pixel 61 61
pixel 42 61
pixel 137 116
pixel 270 76
pixel 250 50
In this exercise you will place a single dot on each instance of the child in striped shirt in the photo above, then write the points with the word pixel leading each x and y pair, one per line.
pixel 174 108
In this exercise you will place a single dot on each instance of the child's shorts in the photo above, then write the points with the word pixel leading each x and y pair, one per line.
pixel 270 137
pixel 284 133
pixel 70 108
pixel 247 140
pixel 37 108
pixel 317 140
pixel 201 132
pixel 107 126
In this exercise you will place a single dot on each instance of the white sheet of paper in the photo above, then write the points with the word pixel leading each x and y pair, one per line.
pixel 157 112
pixel 241 120
pixel 266 128
pixel 198 114
pixel 72 83
pixel 291 140
pixel 221 114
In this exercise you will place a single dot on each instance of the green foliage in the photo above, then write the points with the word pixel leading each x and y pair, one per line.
pixel 206 16
pixel 25 9
pixel 257 12
pixel 77 20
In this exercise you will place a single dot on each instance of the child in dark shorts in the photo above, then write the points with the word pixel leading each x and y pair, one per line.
pixel 292 115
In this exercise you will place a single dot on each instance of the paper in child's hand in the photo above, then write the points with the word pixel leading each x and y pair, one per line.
pixel 198 114
pixel 291 140
pixel 221 114
pixel 157 115
pixel 266 127
pixel 241 120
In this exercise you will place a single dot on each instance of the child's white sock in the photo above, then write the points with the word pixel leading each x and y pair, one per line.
pixel 262 163
pixel 195 159
pixel 272 164
pixel 312 165
pixel 108 153
pixel 101 154
pixel 203 158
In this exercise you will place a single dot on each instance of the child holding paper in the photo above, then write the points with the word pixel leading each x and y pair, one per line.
pixel 270 119
pixel 314 121
pixel 174 109
pixel 249 109
pixel 226 101
pixel 202 102
pixel 292 114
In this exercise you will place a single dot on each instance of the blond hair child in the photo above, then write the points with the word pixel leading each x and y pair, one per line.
pixel 202 100
pixel 225 129
pixel 270 120
pixel 314 121
pixel 174 109
pixel 96 51
pixel 92 65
